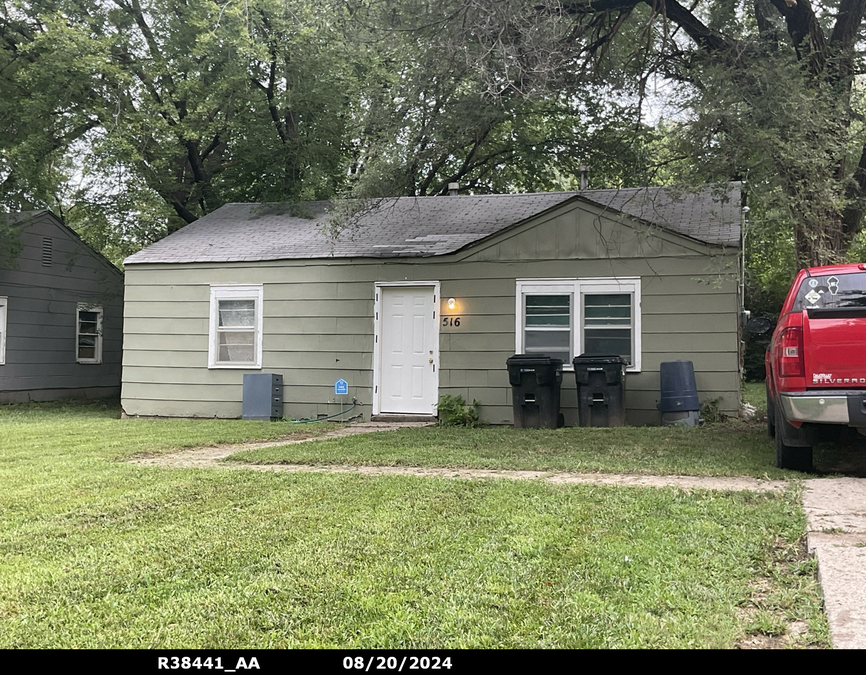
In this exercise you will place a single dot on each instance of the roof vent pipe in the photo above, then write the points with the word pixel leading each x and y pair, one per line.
pixel 452 189
pixel 584 176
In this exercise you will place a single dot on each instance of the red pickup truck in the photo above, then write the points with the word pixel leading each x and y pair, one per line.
pixel 816 362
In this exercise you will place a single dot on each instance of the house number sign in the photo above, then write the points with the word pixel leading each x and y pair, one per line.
pixel 451 321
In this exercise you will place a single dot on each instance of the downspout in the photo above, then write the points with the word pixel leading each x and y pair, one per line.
pixel 743 223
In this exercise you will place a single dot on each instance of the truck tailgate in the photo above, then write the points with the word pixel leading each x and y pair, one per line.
pixel 834 341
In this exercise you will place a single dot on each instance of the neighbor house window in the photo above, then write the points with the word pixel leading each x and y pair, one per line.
pixel 4 303
pixel 235 327
pixel 564 318
pixel 88 334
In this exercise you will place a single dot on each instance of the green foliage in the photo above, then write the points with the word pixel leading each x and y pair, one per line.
pixel 455 412
pixel 740 127
pixel 10 243
pixel 857 251
pixel 755 393
pixel 770 268
pixel 130 121
pixel 754 367
pixel 756 94
pixel 444 110
pixel 711 411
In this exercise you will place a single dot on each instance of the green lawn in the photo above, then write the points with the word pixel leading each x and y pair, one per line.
pixel 95 429
pixel 715 450
pixel 99 553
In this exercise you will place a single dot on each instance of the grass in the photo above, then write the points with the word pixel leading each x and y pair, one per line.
pixel 755 393
pixel 99 553
pixel 94 429
pixel 715 450
pixel 729 449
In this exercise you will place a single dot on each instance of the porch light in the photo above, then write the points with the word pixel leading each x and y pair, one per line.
pixel 452 303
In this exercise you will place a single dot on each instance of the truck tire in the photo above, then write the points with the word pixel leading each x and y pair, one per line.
pixel 771 414
pixel 797 458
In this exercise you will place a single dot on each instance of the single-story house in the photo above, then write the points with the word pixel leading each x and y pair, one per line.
pixel 61 315
pixel 412 298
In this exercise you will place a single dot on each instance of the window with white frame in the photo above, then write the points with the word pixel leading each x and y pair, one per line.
pixel 235 326
pixel 4 303
pixel 88 334
pixel 564 318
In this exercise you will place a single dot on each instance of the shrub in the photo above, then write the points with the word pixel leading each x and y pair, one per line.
pixel 455 412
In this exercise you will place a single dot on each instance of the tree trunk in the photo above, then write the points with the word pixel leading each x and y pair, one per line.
pixel 820 239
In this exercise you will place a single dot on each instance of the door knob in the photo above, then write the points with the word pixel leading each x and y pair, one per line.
pixel 430 360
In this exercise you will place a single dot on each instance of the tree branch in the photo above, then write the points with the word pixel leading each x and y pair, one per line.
pixel 704 37
pixel 848 20
pixel 802 24
pixel 844 37
pixel 181 210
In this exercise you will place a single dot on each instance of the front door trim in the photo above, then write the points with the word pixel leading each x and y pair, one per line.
pixel 377 337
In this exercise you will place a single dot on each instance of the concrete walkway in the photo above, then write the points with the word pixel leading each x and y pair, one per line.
pixel 835 508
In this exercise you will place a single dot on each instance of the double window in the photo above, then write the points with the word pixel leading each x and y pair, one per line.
pixel 564 318
pixel 235 326
pixel 88 334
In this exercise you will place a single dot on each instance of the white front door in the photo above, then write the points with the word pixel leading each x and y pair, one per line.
pixel 407 336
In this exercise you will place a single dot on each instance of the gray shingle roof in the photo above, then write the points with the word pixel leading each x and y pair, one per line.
pixel 711 215
pixel 424 226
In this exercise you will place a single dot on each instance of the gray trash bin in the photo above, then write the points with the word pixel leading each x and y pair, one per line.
pixel 679 394
pixel 600 382
pixel 536 382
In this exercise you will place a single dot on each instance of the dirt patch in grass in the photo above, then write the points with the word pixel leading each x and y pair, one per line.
pixel 773 616
pixel 210 456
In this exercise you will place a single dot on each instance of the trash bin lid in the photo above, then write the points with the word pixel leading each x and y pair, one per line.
pixel 599 358
pixel 533 360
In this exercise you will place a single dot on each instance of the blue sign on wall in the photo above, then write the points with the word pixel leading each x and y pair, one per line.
pixel 341 387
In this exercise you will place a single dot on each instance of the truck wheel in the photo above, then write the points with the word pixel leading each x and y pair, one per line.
pixel 790 456
pixel 771 415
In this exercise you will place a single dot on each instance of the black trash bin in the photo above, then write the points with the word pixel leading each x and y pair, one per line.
pixel 536 380
pixel 600 389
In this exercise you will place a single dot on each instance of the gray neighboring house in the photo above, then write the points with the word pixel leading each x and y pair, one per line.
pixel 61 316
pixel 428 296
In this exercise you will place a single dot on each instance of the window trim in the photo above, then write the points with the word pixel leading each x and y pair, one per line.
pixel 577 288
pixel 4 322
pixel 85 307
pixel 234 292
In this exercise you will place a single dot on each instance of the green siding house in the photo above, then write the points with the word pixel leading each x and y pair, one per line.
pixel 412 298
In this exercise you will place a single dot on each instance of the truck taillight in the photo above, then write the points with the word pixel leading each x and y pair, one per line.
pixel 790 354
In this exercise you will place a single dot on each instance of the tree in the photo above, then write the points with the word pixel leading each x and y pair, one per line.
pixel 131 118
pixel 769 86
pixel 158 111
pixel 437 113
